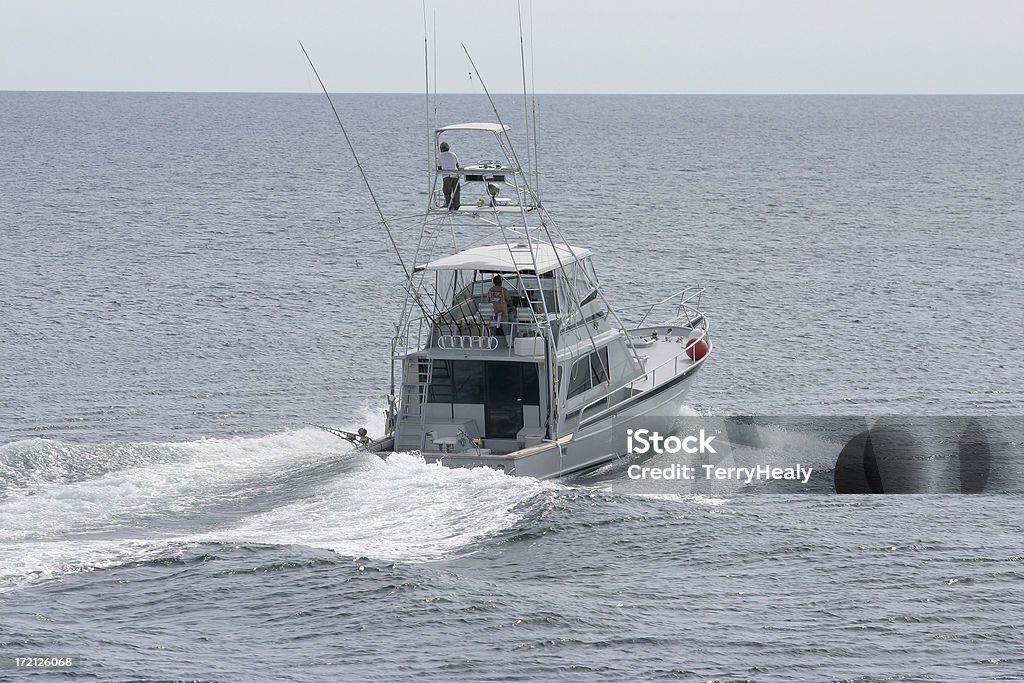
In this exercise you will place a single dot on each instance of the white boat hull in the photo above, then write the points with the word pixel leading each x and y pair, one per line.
pixel 592 444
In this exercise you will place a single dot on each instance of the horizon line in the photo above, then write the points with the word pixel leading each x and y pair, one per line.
pixel 612 94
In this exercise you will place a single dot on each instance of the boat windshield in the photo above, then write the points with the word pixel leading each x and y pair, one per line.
pixel 523 289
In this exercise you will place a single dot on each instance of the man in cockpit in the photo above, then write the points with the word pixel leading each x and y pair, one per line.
pixel 501 302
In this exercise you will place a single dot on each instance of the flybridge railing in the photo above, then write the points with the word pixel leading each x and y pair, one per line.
pixel 682 305
pixel 494 176
pixel 471 333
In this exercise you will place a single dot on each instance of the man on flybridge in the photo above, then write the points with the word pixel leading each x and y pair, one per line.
pixel 447 161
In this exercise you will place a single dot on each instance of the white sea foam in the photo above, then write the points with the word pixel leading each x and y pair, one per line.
pixel 186 476
pixel 401 508
pixel 30 562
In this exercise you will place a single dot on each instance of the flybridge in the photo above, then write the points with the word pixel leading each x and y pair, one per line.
pixel 497 186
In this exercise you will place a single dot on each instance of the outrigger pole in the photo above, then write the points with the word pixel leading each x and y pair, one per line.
pixel 362 173
pixel 380 212
pixel 533 100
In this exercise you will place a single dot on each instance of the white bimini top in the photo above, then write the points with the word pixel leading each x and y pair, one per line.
pixel 501 258
pixel 492 127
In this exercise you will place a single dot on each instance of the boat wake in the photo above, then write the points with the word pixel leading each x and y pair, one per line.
pixel 399 508
pixel 71 508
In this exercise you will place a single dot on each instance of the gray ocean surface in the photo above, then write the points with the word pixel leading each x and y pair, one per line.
pixel 186 280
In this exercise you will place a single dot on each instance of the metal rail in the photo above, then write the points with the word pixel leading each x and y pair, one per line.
pixel 652 374
pixel 686 295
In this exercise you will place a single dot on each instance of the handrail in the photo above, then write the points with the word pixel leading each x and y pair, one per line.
pixel 648 373
pixel 698 290
pixel 484 169
pixel 695 293
pixel 691 320
pixel 430 330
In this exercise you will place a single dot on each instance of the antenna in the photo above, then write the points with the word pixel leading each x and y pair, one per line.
pixel 533 89
pixel 522 61
pixel 434 26
pixel 426 96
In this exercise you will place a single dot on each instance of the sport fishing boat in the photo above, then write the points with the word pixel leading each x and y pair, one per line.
pixel 507 354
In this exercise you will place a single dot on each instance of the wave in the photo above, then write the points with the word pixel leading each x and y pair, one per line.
pixel 91 488
pixel 71 508
pixel 399 508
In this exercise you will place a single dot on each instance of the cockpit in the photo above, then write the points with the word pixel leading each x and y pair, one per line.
pixel 525 291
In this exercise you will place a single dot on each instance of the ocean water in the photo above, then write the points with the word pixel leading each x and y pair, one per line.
pixel 187 280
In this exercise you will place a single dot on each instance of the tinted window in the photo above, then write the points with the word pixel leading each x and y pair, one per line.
pixel 456 381
pixel 464 381
pixel 468 378
pixel 579 378
pixel 599 366
pixel 531 383
pixel 440 389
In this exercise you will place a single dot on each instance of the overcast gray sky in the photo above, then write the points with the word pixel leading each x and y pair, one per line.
pixel 600 46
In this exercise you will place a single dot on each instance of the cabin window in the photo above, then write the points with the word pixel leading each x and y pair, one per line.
pixel 456 381
pixel 599 366
pixel 579 377
pixel 526 291
pixel 469 381
pixel 588 372
pixel 581 281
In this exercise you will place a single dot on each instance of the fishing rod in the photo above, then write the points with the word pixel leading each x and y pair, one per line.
pixel 411 286
pixel 362 174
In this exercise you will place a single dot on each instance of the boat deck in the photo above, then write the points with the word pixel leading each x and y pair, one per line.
pixel 663 354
